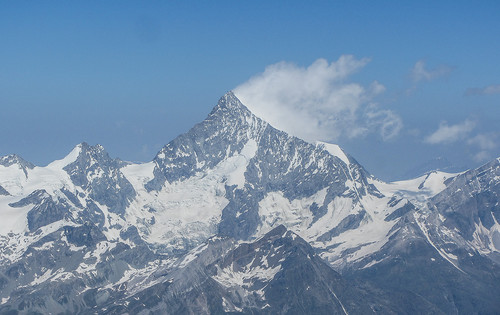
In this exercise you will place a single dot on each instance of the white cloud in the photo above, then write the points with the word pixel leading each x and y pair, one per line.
pixel 316 103
pixel 450 133
pixel 490 89
pixel 482 156
pixel 483 141
pixel 486 143
pixel 386 121
pixel 420 73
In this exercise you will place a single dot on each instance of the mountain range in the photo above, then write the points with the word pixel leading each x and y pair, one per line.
pixel 235 216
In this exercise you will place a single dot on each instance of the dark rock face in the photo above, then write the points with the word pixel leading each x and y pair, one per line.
pixel 3 192
pixel 471 198
pixel 408 207
pixel 35 197
pixel 84 235
pixel 419 279
pixel 99 175
pixel 45 209
pixel 46 212
pixel 281 163
pixel 280 273
pixel 78 274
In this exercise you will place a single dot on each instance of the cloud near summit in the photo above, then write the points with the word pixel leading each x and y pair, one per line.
pixel 317 102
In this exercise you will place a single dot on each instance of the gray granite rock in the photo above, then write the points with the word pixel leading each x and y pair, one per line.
pixel 100 176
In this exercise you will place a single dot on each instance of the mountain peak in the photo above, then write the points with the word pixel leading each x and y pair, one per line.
pixel 82 151
pixel 224 133
pixel 229 99
pixel 229 105
pixel 11 159
pixel 14 159
pixel 91 149
pixel 86 154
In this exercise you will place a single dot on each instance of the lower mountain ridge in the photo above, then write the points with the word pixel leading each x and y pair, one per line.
pixel 235 216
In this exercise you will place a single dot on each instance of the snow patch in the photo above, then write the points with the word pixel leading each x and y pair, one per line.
pixel 373 263
pixel 420 188
pixel 236 166
pixel 486 241
pixel 192 255
pixel 334 150
pixel 70 158
pixel 243 276
pixel 42 278
pixel 139 174
pixel 12 178
pixel 296 215
pixel 14 220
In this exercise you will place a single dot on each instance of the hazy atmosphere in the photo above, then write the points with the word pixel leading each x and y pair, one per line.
pixel 403 88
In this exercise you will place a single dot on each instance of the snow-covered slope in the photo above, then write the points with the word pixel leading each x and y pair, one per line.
pixel 419 189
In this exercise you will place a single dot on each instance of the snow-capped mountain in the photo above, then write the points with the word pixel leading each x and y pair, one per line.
pixel 237 216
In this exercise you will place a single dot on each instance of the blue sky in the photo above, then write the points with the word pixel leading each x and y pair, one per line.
pixel 132 75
